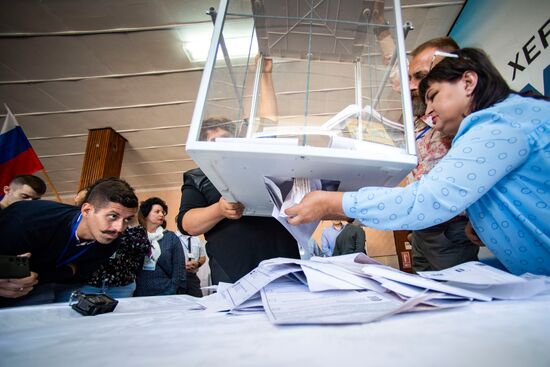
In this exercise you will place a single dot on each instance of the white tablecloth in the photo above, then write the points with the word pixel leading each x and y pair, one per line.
pixel 162 331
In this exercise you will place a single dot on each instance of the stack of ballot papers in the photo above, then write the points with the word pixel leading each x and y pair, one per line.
pixel 354 288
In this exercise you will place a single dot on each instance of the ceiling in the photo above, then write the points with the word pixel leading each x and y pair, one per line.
pixel 67 66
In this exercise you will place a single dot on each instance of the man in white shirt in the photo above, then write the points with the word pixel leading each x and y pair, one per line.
pixel 195 256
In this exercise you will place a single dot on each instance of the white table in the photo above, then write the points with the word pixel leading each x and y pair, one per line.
pixel 162 331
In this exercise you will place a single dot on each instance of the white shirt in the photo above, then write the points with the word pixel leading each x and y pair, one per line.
pixel 197 248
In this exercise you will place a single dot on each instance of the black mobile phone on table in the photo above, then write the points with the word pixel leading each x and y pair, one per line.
pixel 14 267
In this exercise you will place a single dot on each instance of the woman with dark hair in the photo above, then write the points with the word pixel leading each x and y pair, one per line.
pixel 163 270
pixel 496 170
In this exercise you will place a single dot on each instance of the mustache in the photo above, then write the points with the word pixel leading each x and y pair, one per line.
pixel 111 233
pixel 419 108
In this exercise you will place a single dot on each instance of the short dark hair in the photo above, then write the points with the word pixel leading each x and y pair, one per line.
pixel 442 43
pixel 491 87
pixel 111 189
pixel 32 181
pixel 217 122
pixel 146 206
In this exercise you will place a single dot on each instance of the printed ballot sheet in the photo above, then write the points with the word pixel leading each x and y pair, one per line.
pixel 245 288
pixel 487 280
pixel 417 281
pixel 324 275
pixel 289 302
pixel 473 273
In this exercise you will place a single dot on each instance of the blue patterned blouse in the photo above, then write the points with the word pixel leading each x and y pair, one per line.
pixel 498 170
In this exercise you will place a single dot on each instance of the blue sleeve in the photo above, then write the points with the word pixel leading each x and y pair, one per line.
pixel 325 246
pixel 485 150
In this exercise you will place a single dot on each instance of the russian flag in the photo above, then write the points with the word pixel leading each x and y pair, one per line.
pixel 17 157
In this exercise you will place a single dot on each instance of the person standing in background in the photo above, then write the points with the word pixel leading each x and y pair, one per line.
pixel 351 240
pixel 328 238
pixel 195 257
pixel 236 244
pixel 22 187
pixel 163 271
pixel 443 245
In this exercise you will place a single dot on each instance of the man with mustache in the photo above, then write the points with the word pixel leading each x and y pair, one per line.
pixel 65 243
pixel 444 245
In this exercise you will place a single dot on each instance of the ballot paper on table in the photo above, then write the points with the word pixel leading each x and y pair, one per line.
pixel 356 289
pixel 245 288
pixel 544 278
pixel 289 302
pixel 325 275
pixel 351 262
pixel 319 276
pixel 436 299
pixel 286 193
pixel 417 281
pixel 489 281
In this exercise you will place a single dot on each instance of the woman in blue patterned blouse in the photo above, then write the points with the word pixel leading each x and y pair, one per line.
pixel 497 168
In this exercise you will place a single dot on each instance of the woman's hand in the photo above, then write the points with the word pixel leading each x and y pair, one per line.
pixel 230 210
pixel 315 206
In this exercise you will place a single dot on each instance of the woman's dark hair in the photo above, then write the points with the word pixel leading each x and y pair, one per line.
pixel 146 206
pixel 491 87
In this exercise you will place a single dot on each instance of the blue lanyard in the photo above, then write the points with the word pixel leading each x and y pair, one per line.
pixel 58 263
pixel 422 133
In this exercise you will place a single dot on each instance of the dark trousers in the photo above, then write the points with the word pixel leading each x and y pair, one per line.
pixel 217 273
pixel 442 246
pixel 193 285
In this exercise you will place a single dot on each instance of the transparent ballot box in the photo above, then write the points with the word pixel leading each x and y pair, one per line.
pixel 303 89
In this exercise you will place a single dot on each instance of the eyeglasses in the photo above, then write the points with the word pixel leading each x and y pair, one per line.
pixel 442 54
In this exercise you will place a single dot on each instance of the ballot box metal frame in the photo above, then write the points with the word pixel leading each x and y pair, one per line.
pixel 237 166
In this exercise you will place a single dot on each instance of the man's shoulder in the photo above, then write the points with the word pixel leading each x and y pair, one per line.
pixel 195 173
pixel 37 223
pixel 357 229
pixel 34 208
pixel 195 177
pixel 171 236
pixel 42 204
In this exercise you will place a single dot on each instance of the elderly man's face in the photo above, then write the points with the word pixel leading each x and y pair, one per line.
pixel 419 67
